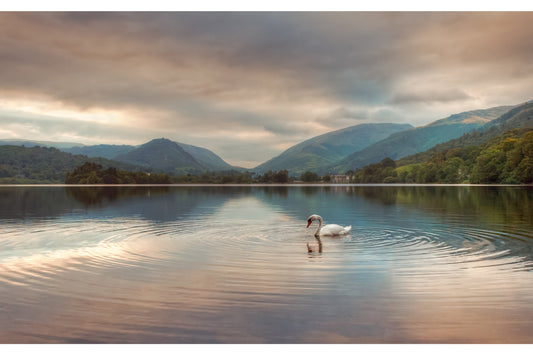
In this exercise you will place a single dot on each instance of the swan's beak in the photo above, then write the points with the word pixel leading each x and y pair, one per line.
pixel 309 223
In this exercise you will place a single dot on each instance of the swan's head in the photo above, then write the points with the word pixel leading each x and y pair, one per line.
pixel 312 218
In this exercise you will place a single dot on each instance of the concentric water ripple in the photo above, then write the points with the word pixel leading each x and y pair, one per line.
pixel 241 272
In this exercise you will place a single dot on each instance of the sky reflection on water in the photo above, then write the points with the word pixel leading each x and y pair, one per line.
pixel 230 264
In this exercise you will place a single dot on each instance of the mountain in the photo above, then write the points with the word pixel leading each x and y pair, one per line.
pixel 499 152
pixel 108 151
pixel 45 164
pixel 480 117
pixel 519 117
pixel 323 150
pixel 206 158
pixel 162 155
pixel 506 158
pixel 418 139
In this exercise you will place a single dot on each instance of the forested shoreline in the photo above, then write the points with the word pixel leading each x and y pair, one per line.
pixel 503 159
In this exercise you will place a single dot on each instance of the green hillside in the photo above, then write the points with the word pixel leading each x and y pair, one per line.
pixel 318 152
pixel 519 117
pixel 162 155
pixel 418 139
pixel 44 165
pixel 504 159
pixel 499 152
pixel 206 158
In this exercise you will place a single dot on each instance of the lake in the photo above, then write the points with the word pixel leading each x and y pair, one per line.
pixel 230 264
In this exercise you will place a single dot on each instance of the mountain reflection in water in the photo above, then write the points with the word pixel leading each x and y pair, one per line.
pixel 210 264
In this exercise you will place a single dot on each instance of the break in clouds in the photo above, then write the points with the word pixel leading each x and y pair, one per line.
pixel 249 85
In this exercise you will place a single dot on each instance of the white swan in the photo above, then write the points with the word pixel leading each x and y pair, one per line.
pixel 328 229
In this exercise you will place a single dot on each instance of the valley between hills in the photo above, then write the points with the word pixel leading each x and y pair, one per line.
pixel 493 145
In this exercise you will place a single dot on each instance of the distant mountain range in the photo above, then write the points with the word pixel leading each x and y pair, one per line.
pixel 316 153
pixel 161 155
pixel 339 151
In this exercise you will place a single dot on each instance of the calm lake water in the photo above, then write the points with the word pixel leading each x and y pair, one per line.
pixel 211 264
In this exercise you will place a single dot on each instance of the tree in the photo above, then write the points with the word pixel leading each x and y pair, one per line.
pixel 281 177
pixel 453 171
pixel 488 167
pixel 91 173
pixel 309 176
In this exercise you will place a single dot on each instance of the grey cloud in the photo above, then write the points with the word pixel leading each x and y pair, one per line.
pixel 134 58
pixel 343 112
pixel 429 96
pixel 344 117
pixel 187 73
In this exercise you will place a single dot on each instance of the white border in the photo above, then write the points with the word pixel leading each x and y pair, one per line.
pixel 272 5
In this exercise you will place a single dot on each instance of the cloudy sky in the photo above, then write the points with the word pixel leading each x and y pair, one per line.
pixel 249 85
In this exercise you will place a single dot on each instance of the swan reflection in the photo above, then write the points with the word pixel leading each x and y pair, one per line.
pixel 311 250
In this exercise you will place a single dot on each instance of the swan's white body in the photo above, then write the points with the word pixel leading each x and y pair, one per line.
pixel 328 229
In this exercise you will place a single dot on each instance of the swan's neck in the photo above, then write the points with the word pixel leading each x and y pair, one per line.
pixel 319 226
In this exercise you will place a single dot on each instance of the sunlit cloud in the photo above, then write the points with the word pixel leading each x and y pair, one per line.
pixel 212 77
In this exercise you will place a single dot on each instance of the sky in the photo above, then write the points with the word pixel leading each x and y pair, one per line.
pixel 248 85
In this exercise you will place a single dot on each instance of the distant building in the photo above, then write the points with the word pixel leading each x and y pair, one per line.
pixel 339 179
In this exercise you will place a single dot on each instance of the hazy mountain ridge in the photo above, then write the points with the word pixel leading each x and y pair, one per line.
pixel 33 143
pixel 323 150
pixel 475 116
pixel 519 117
pixel 108 151
pixel 418 139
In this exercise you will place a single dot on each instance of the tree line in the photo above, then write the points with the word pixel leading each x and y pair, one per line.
pixel 505 159
pixel 235 177
pixel 92 173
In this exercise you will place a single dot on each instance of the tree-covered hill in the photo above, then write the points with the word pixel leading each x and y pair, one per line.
pixel 519 117
pixel 419 139
pixel 149 154
pixel 163 155
pixel 503 159
pixel 44 165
